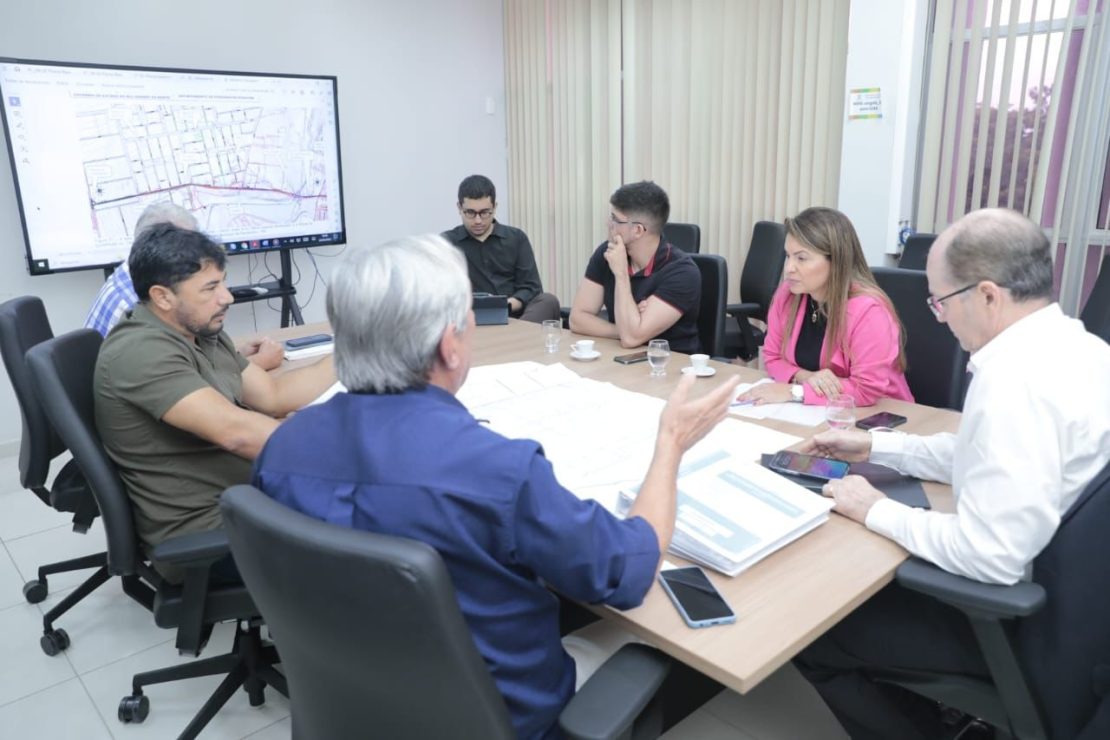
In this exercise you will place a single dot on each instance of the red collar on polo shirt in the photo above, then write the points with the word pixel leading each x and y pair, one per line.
pixel 650 266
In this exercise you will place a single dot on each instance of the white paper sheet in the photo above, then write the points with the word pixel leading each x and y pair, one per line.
pixel 793 413
pixel 598 437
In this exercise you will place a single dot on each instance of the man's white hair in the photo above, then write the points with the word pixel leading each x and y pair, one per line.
pixel 165 212
pixel 389 306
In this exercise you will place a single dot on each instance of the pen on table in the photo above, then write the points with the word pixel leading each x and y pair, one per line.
pixel 482 421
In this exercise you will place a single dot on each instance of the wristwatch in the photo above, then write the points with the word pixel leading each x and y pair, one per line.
pixel 797 393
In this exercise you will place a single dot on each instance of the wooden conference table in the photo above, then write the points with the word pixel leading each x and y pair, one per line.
pixel 783 602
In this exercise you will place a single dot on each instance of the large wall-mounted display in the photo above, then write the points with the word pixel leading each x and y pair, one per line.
pixel 255 157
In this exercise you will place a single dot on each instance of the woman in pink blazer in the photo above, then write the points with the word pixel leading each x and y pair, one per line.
pixel 830 328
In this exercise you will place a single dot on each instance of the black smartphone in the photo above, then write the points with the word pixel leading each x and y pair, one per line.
pixel 808 466
pixel 634 357
pixel 310 341
pixel 695 598
pixel 881 419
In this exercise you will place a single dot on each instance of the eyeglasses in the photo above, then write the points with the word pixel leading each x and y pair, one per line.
pixel 936 305
pixel 472 214
pixel 617 222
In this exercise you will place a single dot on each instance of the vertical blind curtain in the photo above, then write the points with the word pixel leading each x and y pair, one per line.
pixel 1015 117
pixel 735 107
pixel 563 115
pixel 1076 223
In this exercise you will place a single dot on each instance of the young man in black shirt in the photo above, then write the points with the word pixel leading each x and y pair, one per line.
pixel 651 289
pixel 499 258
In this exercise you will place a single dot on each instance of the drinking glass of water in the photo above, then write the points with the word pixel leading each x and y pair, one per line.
pixel 841 412
pixel 552 333
pixel 658 351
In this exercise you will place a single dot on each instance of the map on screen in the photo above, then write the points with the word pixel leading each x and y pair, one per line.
pixel 255 158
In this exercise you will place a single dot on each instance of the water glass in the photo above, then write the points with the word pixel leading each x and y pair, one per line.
pixel 552 333
pixel 658 351
pixel 841 412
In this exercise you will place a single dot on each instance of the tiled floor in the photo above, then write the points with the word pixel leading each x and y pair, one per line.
pixel 75 694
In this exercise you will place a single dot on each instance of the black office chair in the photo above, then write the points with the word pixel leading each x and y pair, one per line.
pixel 916 251
pixel 23 324
pixel 686 237
pixel 1096 314
pixel 62 369
pixel 759 279
pixel 372 637
pixel 714 295
pixel 936 366
pixel 1046 642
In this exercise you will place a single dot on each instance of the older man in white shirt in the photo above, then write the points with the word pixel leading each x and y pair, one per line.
pixel 1035 430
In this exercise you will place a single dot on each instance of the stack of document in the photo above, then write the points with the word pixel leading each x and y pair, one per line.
pixel 732 513
pixel 600 439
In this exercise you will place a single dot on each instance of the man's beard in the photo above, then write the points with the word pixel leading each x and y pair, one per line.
pixel 206 330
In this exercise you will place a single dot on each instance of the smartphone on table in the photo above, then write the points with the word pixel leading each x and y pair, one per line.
pixel 310 341
pixel 808 466
pixel 695 598
pixel 882 419
pixel 632 358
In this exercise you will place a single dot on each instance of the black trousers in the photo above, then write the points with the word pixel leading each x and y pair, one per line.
pixel 896 628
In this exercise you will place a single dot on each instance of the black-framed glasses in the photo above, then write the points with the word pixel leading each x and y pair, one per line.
pixel 617 222
pixel 936 305
pixel 472 214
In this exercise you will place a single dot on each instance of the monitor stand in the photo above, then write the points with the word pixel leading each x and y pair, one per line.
pixel 281 288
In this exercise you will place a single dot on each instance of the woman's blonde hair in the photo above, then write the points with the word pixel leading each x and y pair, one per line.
pixel 828 232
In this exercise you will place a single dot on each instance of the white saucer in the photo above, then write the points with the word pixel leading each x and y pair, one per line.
pixel 705 372
pixel 585 356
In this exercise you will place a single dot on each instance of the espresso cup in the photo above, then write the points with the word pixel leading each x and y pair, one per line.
pixel 584 346
pixel 699 362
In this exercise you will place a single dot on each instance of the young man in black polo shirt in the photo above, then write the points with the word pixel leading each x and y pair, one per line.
pixel 499 258
pixel 651 289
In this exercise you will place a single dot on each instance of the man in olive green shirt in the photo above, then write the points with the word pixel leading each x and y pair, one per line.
pixel 179 410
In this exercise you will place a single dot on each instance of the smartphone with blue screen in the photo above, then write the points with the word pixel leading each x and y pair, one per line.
pixel 695 598
pixel 808 466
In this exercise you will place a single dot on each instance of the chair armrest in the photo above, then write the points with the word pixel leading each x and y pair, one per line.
pixel 194 553
pixel 742 309
pixel 972 597
pixel 197 548
pixel 611 700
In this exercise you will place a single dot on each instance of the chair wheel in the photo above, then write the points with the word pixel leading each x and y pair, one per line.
pixel 34 591
pixel 133 708
pixel 54 641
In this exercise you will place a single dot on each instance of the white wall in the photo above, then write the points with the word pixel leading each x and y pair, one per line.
pixel 886 42
pixel 414 76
